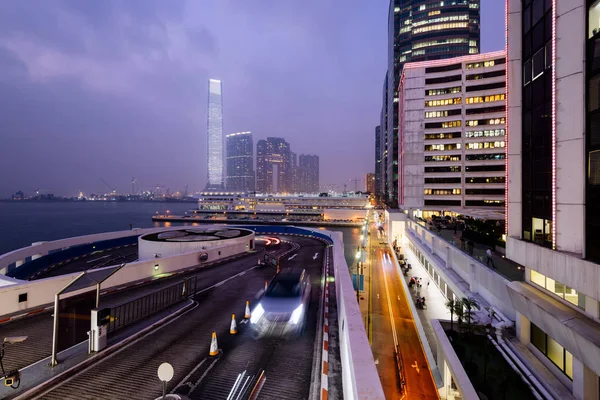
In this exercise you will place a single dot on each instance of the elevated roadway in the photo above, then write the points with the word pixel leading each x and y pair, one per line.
pixel 38 328
pixel 289 365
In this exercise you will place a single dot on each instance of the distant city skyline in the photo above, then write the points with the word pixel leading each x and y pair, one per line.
pixel 114 90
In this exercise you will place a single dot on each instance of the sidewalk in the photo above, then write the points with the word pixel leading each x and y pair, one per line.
pixel 434 299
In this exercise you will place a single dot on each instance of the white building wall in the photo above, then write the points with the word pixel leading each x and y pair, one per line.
pixel 412 138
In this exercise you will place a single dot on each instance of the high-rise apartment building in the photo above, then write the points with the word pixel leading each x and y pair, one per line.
pixel 215 136
pixel 295 181
pixel 383 142
pixel 240 162
pixel 452 133
pixel 273 166
pixel 420 30
pixel 377 188
pixel 554 185
pixel 308 173
pixel 370 183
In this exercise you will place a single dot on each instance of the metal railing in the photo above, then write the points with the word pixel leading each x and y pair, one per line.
pixel 125 314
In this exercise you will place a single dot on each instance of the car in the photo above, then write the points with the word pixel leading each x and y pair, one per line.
pixel 282 308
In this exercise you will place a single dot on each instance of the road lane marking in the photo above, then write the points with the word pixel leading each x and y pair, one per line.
pixel 315 256
pixel 387 291
pixel 292 257
pixel 416 366
pixel 244 321
pixel 96 259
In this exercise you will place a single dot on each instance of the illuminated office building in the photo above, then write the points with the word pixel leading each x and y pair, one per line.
pixel 273 166
pixel 240 162
pixel 215 136
pixel 421 30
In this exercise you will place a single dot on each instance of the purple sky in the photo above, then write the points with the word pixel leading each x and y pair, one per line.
pixel 118 89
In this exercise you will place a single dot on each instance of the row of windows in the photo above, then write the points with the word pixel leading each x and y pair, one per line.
pixel 442 180
pixel 482 157
pixel 488 179
pixel 439 27
pixel 436 136
pixel 488 86
pixel 443 102
pixel 491 121
pixel 455 157
pixel 445 68
pixel 485 99
pixel 484 133
pixel 486 75
pixel 485 145
pixel 441 147
pixel 469 168
pixel 558 289
pixel 442 202
pixel 443 79
pixel 441 19
pixel 485 110
pixel 430 43
pixel 486 64
pixel 446 124
pixel 440 114
pixel 441 192
pixel 484 203
pixel 491 192
pixel 442 49
pixel 551 349
pixel 437 92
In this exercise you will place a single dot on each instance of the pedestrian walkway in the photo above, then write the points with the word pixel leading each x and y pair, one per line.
pixel 503 266
pixel 434 299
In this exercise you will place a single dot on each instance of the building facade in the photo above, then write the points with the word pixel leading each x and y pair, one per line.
pixel 452 134
pixel 240 162
pixel 377 187
pixel 421 30
pixel 370 183
pixel 383 138
pixel 215 135
pixel 273 166
pixel 308 173
pixel 553 192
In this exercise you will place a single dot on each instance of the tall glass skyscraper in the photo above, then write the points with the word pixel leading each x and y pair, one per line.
pixel 215 136
pixel 273 166
pixel 421 30
pixel 240 162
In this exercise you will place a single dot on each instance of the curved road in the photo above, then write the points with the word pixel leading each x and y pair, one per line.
pixel 185 342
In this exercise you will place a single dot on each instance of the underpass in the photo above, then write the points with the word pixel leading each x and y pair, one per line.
pixel 289 365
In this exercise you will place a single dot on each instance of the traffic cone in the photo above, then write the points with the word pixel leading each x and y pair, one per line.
pixel 233 329
pixel 266 284
pixel 214 349
pixel 247 314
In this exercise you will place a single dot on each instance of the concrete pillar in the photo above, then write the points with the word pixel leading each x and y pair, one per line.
pixel 523 326
pixel 591 307
pixel 448 257
pixel 585 382
pixel 473 285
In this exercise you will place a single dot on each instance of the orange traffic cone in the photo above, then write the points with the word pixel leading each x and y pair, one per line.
pixel 266 284
pixel 233 329
pixel 214 349
pixel 247 314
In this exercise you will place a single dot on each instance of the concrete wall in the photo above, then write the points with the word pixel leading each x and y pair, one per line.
pixel 465 275
pixel 41 292
pixel 359 374
pixel 148 248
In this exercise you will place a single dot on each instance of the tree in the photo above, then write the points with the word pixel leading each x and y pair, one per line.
pixel 469 303
pixel 451 306
pixel 459 311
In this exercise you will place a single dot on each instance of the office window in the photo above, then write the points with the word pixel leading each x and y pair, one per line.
pixel 446 135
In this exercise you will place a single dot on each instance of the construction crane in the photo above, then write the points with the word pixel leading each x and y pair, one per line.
pixel 113 190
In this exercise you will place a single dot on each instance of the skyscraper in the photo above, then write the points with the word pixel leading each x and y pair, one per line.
pixel 215 136
pixel 308 173
pixel 273 166
pixel 295 181
pixel 377 188
pixel 420 30
pixel 240 162
pixel 370 183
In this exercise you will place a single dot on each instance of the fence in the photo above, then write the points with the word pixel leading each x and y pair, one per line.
pixel 132 311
